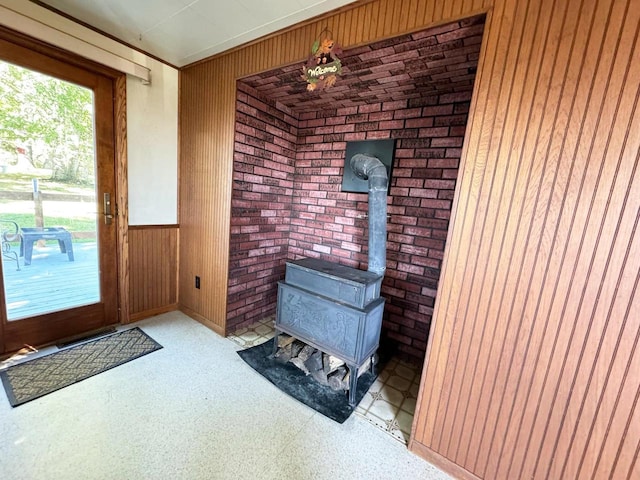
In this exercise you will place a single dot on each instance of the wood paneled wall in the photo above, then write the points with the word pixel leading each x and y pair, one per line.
pixel 532 366
pixel 153 267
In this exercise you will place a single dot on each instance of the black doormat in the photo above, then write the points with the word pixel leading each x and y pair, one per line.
pixel 291 380
pixel 38 377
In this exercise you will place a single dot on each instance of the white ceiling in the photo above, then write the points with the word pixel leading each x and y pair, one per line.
pixel 184 31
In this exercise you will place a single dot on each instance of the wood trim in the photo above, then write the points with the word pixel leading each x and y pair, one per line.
pixel 107 167
pixel 153 227
pixel 205 321
pixel 179 189
pixel 441 462
pixel 134 317
pixel 58 325
pixel 122 196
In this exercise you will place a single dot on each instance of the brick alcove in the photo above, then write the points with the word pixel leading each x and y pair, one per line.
pixel 288 160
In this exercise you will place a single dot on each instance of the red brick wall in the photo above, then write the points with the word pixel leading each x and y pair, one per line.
pixel 292 207
pixel 263 164
pixel 327 223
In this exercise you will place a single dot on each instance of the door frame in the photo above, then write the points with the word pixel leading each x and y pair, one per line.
pixel 120 163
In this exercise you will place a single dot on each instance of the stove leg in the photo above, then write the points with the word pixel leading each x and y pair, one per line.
pixel 275 342
pixel 353 384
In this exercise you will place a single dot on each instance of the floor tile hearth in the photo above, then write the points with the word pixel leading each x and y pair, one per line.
pixel 390 402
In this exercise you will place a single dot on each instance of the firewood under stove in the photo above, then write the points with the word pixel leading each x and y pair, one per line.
pixel 324 368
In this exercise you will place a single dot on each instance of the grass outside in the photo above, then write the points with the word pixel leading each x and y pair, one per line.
pixel 74 216
pixel 22 182
pixel 71 224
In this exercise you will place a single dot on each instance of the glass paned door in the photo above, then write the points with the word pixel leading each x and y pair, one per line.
pixel 57 169
pixel 47 193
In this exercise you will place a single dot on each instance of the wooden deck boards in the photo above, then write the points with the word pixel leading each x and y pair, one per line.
pixel 51 283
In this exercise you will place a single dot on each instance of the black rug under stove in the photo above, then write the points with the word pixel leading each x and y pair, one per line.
pixel 291 380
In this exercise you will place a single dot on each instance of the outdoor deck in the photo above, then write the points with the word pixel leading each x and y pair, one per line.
pixel 51 282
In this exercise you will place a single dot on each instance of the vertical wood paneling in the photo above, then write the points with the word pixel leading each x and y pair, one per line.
pixel 564 142
pixel 410 16
pixel 358 26
pixel 472 175
pixel 153 260
pixel 603 192
pixel 531 369
pixel 395 17
pixel 122 195
pixel 420 13
pixel 374 29
pixel 494 181
pixel 467 367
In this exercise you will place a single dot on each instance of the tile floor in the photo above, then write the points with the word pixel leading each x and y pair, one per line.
pixel 391 400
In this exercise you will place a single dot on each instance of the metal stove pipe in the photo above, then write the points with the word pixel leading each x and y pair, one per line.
pixel 372 169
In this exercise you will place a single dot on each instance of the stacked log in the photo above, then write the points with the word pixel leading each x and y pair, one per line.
pixel 324 368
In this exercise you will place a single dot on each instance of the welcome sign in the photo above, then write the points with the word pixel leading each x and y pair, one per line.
pixel 323 67
pixel 334 68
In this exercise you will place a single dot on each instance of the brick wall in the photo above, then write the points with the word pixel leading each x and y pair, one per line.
pixel 287 202
pixel 263 170
pixel 329 224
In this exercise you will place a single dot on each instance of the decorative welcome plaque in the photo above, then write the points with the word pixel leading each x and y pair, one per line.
pixel 323 67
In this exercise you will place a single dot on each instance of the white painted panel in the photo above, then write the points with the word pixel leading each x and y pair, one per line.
pixel 152 119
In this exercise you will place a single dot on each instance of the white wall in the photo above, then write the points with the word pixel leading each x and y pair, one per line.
pixel 152 131
pixel 152 120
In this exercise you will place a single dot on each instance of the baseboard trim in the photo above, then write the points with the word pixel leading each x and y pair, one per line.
pixel 134 317
pixel 203 320
pixel 444 464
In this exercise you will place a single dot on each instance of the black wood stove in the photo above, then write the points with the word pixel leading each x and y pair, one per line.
pixel 335 308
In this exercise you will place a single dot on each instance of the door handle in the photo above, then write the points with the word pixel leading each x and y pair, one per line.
pixel 106 203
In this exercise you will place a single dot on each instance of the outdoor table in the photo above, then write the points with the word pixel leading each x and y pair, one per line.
pixel 31 235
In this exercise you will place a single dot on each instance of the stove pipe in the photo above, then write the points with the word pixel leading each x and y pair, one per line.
pixel 372 169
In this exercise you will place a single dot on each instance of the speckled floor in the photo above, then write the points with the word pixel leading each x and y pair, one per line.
pixel 192 410
pixel 391 400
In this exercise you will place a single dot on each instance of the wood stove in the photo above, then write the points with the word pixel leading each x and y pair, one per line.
pixel 335 308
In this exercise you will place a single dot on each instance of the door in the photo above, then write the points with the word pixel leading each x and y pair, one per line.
pixel 64 278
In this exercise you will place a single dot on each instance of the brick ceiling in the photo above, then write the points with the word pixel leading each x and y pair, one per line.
pixel 436 61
